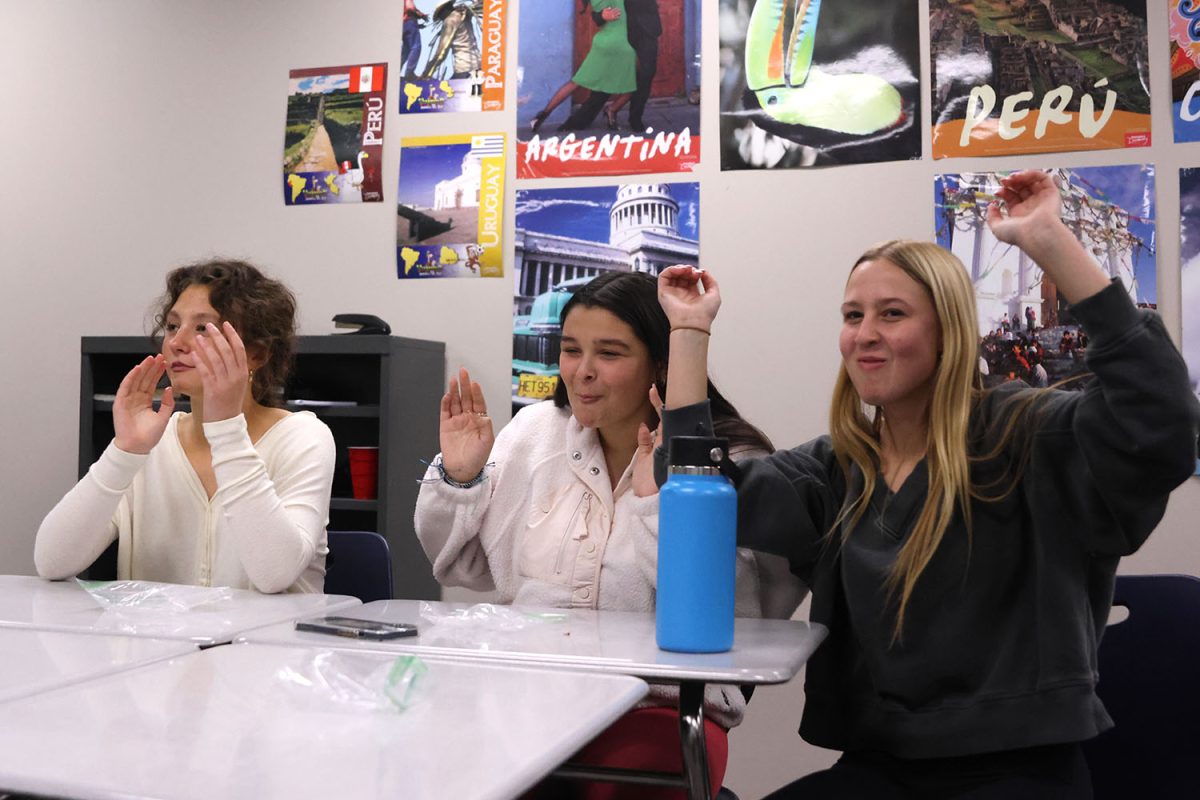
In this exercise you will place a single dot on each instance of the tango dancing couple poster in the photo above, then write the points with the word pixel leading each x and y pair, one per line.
pixel 1026 328
pixel 806 83
pixel 1015 77
pixel 452 56
pixel 333 140
pixel 449 212
pixel 608 87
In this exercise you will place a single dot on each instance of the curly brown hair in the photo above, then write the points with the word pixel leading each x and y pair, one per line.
pixel 261 309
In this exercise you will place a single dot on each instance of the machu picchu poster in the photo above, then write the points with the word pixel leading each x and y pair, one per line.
pixel 333 139
pixel 1038 76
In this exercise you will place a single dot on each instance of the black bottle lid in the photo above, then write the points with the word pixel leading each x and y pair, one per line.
pixel 697 451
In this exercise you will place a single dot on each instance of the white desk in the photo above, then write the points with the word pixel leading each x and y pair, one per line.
pixel 221 724
pixel 764 651
pixel 36 661
pixel 37 604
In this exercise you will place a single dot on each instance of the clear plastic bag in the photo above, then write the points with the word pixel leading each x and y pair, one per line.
pixel 487 617
pixel 356 681
pixel 151 596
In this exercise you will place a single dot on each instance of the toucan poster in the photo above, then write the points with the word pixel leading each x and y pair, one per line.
pixel 452 56
pixel 450 204
pixel 1038 76
pixel 806 83
pixel 608 87
pixel 333 141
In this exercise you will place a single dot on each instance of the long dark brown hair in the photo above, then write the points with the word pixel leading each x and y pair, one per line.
pixel 632 297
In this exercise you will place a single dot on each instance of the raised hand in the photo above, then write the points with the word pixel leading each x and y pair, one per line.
pixel 1034 206
pixel 224 372
pixel 137 426
pixel 465 429
pixel 644 484
pixel 679 293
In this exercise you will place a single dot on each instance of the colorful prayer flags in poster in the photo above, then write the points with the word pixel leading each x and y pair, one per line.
pixel 452 56
pixel 1184 16
pixel 811 84
pixel 1189 264
pixel 608 87
pixel 333 141
pixel 450 204
pixel 566 237
pixel 1038 77
pixel 1025 326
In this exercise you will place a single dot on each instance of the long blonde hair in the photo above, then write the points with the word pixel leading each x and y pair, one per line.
pixel 957 383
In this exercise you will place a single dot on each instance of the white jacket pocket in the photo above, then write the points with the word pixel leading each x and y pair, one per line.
pixel 550 542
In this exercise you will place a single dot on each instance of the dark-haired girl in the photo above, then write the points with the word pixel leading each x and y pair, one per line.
pixel 548 513
pixel 235 493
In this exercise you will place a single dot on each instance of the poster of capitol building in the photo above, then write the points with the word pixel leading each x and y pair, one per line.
pixel 566 237
pixel 1025 326
pixel 1038 76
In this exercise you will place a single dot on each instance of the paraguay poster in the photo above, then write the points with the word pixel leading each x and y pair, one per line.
pixel 1025 326
pixel 452 56
pixel 450 206
pixel 1038 76
pixel 333 141
pixel 806 83
pixel 566 237
pixel 1185 69
pixel 1189 259
pixel 608 87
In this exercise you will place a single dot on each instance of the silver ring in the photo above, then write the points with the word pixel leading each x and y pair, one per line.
pixel 480 413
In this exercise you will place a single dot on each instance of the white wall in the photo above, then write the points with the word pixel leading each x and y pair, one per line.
pixel 139 134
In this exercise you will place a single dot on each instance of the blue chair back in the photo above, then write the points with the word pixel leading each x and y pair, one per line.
pixel 359 565
pixel 1150 683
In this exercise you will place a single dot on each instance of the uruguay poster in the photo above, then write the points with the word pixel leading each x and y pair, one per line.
pixel 452 56
pixel 333 140
pixel 1025 326
pixel 565 237
pixel 1189 259
pixel 608 87
pixel 1185 69
pixel 1050 76
pixel 450 207
pixel 806 83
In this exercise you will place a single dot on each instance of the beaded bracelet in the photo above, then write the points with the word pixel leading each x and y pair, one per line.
pixel 437 464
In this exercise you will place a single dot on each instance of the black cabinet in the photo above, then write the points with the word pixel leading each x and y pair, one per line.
pixel 370 390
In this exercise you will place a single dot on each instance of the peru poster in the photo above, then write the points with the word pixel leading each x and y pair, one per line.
pixel 452 56
pixel 565 237
pixel 1025 326
pixel 1038 76
pixel 1189 281
pixel 333 140
pixel 450 207
pixel 806 83
pixel 1184 32
pixel 608 87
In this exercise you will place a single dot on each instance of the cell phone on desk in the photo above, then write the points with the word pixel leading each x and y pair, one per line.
pixel 357 628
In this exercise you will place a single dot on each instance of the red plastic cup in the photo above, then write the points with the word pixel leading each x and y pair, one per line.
pixel 364 472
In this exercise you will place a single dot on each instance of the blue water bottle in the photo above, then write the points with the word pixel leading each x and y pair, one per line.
pixel 697 549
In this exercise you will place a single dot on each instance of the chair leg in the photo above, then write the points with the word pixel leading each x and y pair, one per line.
pixel 691 735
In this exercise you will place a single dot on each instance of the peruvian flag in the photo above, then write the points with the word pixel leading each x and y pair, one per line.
pixel 367 79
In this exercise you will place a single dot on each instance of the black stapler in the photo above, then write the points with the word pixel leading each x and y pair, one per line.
pixel 362 323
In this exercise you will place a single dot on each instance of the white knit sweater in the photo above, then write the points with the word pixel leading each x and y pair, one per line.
pixel 263 529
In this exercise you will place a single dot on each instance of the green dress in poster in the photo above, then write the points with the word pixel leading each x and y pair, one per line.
pixel 611 65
